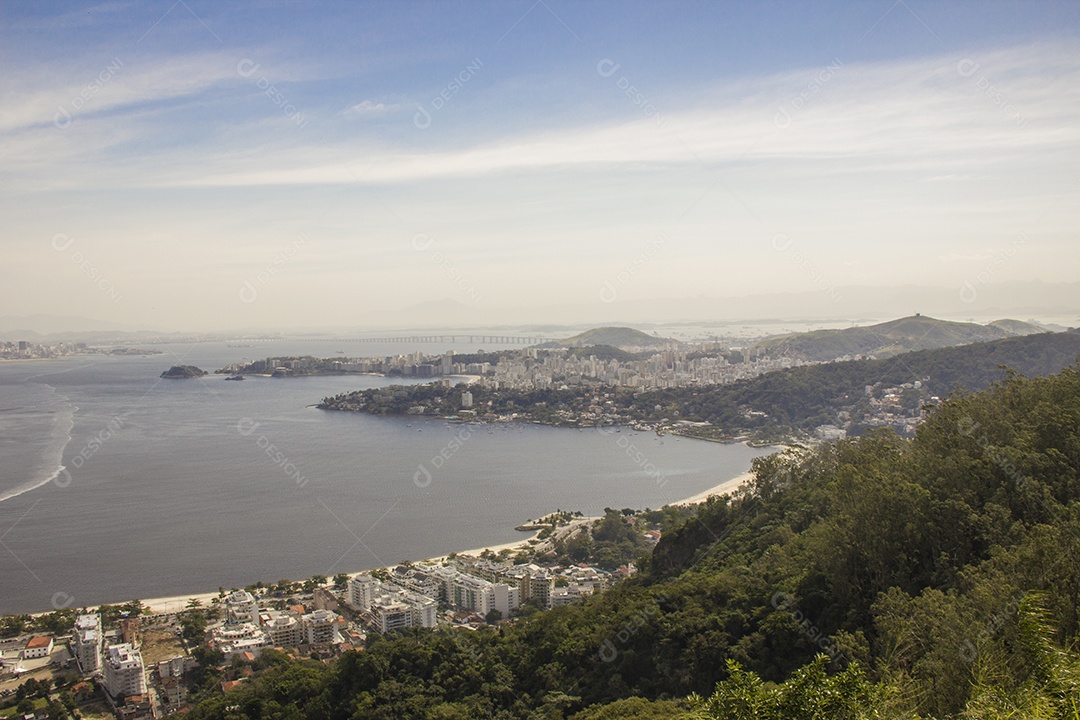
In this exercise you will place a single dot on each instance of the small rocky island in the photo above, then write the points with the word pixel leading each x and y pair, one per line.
pixel 182 372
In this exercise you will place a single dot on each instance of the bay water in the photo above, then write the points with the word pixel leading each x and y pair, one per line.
pixel 116 484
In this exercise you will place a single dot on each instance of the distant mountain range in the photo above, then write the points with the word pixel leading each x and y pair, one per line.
pixel 887 339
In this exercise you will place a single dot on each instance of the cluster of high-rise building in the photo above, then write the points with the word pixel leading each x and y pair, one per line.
pixel 532 368
pixel 120 664
pixel 247 629
pixel 25 349
pixel 411 595
pixel 388 606
pixel 664 369
pixel 413 365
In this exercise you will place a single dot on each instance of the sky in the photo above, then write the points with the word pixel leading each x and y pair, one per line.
pixel 197 165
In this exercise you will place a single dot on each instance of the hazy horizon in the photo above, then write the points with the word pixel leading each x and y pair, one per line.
pixel 193 166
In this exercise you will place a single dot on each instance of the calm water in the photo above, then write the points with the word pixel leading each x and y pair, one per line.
pixel 116 485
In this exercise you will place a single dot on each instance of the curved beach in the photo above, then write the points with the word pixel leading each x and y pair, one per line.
pixel 180 602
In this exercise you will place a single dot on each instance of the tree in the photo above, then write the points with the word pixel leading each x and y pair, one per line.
pixel 11 625
pixel 134 608
pixel 1051 683
pixel 809 693
pixel 56 711
pixel 193 625
pixel 67 699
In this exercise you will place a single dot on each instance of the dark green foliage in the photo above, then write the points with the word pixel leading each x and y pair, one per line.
pixel 193 625
pixel 611 543
pixel 635 708
pixel 810 694
pixel 182 372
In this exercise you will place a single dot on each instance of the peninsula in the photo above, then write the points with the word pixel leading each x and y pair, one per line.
pixel 756 399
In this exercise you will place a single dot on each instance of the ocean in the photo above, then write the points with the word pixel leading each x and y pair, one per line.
pixel 116 484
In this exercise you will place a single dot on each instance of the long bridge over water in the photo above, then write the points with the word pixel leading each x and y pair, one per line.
pixel 429 339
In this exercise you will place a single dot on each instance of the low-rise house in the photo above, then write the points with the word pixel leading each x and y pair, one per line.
pixel 37 647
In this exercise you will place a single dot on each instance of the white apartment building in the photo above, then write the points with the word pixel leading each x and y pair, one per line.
pixel 253 645
pixel 392 607
pixel 466 592
pixel 123 671
pixel 534 582
pixel 362 591
pixel 175 666
pixel 392 616
pixel 396 610
pixel 284 631
pixel 240 607
pixel 235 639
pixel 320 627
pixel 416 580
pixel 86 643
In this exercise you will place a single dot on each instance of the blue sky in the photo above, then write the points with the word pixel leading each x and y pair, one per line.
pixel 205 165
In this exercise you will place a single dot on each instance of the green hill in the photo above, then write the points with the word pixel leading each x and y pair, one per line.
pixel 621 337
pixel 804 397
pixel 892 338
pixel 880 578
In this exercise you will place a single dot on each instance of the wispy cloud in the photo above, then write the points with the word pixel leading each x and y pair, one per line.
pixel 871 167
pixel 907 116
pixel 370 107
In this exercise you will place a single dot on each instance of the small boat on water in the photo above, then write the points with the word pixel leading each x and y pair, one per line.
pixel 235 377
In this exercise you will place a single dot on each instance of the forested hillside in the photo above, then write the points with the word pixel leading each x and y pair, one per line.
pixel 803 397
pixel 934 577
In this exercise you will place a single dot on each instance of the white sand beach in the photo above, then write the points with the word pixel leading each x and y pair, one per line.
pixel 728 486
pixel 180 602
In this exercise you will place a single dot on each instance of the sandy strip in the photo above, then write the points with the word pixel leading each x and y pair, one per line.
pixel 180 602
pixel 176 603
pixel 514 546
pixel 724 488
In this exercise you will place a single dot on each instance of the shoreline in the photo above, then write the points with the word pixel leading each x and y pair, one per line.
pixel 725 488
pixel 176 603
